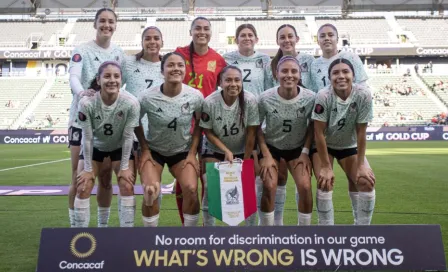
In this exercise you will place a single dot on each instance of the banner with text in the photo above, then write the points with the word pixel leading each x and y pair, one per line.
pixel 288 248
pixel 432 133
pixel 34 136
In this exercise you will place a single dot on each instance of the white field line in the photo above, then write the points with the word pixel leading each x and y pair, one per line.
pixel 34 164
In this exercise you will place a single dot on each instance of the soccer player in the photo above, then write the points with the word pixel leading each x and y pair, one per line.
pixel 107 120
pixel 230 120
pixel 203 67
pixel 84 66
pixel 288 135
pixel 170 109
pixel 327 38
pixel 341 113
pixel 253 64
pixel 287 40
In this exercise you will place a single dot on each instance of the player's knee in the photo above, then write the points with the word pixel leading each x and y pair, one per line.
pixel 364 185
pixel 190 191
pixel 282 177
pixel 126 188
pixel 305 188
pixel 84 192
pixel 269 186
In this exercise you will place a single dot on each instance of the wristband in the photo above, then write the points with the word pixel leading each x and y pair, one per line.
pixel 305 150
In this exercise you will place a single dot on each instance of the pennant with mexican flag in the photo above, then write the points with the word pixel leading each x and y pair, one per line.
pixel 231 190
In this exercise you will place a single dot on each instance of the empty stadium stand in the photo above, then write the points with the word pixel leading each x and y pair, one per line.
pixel 427 30
pixel 16 33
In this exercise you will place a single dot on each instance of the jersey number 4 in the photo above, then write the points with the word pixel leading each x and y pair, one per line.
pixel 108 129
pixel 173 124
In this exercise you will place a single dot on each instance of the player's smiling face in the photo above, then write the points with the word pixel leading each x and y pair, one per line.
pixel 287 40
pixel 231 82
pixel 246 40
pixel 110 79
pixel 106 24
pixel 288 74
pixel 341 76
pixel 152 41
pixel 174 69
pixel 201 32
pixel 327 39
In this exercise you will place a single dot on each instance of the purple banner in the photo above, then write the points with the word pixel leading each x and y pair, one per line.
pixel 432 133
pixel 34 136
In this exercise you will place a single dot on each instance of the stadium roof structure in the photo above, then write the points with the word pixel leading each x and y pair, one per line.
pixel 346 6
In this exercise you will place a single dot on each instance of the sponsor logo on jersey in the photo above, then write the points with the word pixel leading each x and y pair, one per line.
pixel 335 110
pixel 219 118
pixel 96 59
pixel 82 116
pixel 259 63
pixel 353 107
pixel 236 62
pixel 137 71
pixel 318 71
pixel 319 109
pixel 76 58
pixel 98 118
pixel 120 115
pixel 205 117
pixel 159 110
pixel 211 66
pixel 275 111
pixel 185 109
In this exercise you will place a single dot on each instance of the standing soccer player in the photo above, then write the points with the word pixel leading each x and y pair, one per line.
pixel 341 113
pixel 203 67
pixel 288 135
pixel 107 120
pixel 287 40
pixel 253 64
pixel 327 38
pixel 230 120
pixel 141 72
pixel 84 66
pixel 170 109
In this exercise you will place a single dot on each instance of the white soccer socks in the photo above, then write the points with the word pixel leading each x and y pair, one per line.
pixel 127 211
pixel 206 217
pixel 366 205
pixel 325 207
pixel 354 196
pixel 82 212
pixel 266 218
pixel 304 219
pixel 152 221
pixel 280 198
pixel 71 216
pixel 191 220
pixel 103 216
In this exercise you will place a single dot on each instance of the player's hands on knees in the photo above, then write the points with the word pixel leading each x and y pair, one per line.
pixel 268 167
pixel 146 156
pixel 191 159
pixel 88 92
pixel 127 175
pixel 84 178
pixel 228 156
pixel 365 172
pixel 325 180
pixel 305 163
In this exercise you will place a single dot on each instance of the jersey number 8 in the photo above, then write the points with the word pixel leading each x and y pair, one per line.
pixel 108 129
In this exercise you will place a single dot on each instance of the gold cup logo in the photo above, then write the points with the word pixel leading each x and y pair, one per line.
pixel 75 239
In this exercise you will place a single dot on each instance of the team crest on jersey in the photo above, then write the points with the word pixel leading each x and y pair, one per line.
pixel 82 116
pixel 120 115
pixel 319 109
pixel 185 109
pixel 75 136
pixel 353 107
pixel 211 66
pixel 304 67
pixel 205 117
pixel 259 63
pixel 76 58
pixel 300 112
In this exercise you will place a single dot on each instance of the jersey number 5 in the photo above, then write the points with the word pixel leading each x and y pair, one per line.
pixel 287 125
pixel 108 129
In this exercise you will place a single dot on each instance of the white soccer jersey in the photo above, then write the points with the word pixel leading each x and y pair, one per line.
pixel 108 122
pixel 225 122
pixel 319 70
pixel 170 118
pixel 141 75
pixel 286 120
pixel 342 116
pixel 253 68
pixel 305 60
pixel 85 61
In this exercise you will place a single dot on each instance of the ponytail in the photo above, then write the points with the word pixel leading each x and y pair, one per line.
pixel 274 63
pixel 242 106
pixel 193 74
pixel 94 85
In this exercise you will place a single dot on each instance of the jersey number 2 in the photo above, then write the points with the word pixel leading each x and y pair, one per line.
pixel 248 71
